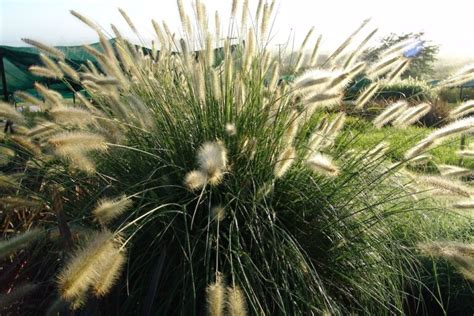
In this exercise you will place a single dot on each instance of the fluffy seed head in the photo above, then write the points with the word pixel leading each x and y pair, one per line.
pixel 108 209
pixel 215 298
pixel 463 109
pixel 8 111
pixel 77 142
pixel 82 269
pixel 45 48
pixel 412 115
pixel 109 273
pixel 454 171
pixel 467 204
pixel 284 162
pixel 446 185
pixel 212 158
pixel 236 305
pixel 74 116
pixel 230 129
pixel 20 241
pixel 390 113
pixel 322 164
pixel 195 180
pixel 218 213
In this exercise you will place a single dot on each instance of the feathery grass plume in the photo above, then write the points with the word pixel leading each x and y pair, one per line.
pixel 384 65
pixel 446 185
pixel 233 10
pixel 390 113
pixel 10 202
pixel 322 100
pixel 69 71
pixel 274 77
pixel 84 101
pixel 399 70
pixel 244 16
pixel 342 81
pixel 315 81
pixel 265 20
pixel 128 20
pixel 5 155
pixel 8 181
pixel 301 51
pixel 19 292
pixel 216 298
pixel 462 248
pixel 420 160
pixel 455 128
pixel 82 162
pixel 345 44
pixel 411 115
pixel 9 112
pixel 108 273
pixel 77 142
pixel 367 94
pixel 460 77
pixel 454 171
pixel 377 152
pixel 26 144
pixel 51 65
pixel 85 20
pixel 212 157
pixel 461 110
pixel 419 149
pixel 108 209
pixel 82 268
pixel 322 164
pixel 337 124
pixel 468 204
pixel 201 14
pixel 236 305
pixel 195 180
pixel 51 96
pixel 456 81
pixel 354 55
pixel 315 53
pixel 284 162
pixel 74 116
pixel 218 213
pixel 25 96
pixel 249 49
pixel 459 254
pixel 43 129
pixel 20 241
pixel 291 129
pixel 44 72
pixel 230 129
pixel 45 48
pixel 325 134
pixel 466 153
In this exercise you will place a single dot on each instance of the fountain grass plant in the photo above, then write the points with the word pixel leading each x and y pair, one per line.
pixel 191 179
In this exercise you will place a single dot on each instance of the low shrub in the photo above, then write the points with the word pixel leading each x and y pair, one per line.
pixel 183 186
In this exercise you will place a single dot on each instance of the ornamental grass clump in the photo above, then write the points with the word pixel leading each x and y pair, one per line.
pixel 232 172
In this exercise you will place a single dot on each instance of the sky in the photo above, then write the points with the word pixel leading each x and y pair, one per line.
pixel 445 23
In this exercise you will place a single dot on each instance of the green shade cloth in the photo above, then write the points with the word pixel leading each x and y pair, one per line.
pixel 17 60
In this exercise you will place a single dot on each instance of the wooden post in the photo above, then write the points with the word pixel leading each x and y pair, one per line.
pixel 4 79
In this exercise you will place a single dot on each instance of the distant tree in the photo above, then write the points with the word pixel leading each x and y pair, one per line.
pixel 422 65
